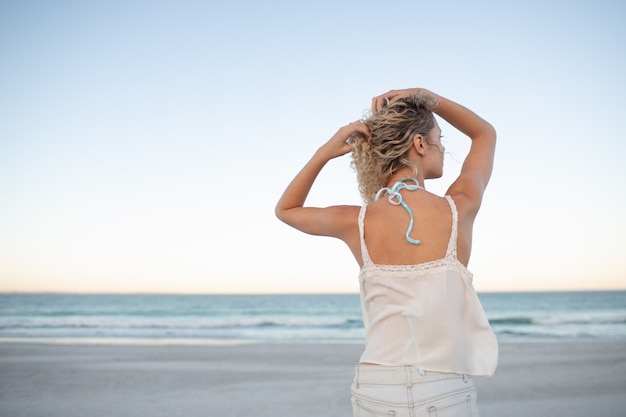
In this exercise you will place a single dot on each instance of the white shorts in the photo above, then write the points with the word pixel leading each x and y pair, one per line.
pixel 405 391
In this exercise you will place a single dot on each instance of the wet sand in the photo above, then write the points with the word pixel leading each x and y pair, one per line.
pixel 301 380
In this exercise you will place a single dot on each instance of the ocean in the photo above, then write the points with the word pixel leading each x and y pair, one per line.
pixel 224 319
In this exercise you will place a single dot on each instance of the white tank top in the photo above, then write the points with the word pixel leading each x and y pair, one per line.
pixel 426 315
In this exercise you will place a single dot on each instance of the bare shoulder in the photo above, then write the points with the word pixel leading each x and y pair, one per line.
pixel 466 205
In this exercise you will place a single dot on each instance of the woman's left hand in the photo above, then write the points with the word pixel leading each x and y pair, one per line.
pixel 382 100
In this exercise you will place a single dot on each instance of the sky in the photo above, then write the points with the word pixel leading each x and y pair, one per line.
pixel 144 144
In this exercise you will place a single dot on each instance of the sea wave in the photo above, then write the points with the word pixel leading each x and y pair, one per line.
pixel 287 318
pixel 182 324
pixel 556 321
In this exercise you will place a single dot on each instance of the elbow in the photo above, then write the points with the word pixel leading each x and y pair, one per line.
pixel 484 132
pixel 488 136
pixel 490 132
pixel 281 214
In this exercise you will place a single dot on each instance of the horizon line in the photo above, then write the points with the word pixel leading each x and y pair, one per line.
pixel 280 293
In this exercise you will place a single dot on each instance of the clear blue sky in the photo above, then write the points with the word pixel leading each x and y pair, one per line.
pixel 143 144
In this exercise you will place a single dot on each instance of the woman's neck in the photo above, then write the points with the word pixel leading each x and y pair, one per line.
pixel 406 173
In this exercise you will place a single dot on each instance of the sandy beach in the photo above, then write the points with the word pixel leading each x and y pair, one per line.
pixel 533 379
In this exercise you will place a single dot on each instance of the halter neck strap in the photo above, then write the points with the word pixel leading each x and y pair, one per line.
pixel 396 199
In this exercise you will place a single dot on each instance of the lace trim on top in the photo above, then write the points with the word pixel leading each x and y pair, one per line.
pixel 437 263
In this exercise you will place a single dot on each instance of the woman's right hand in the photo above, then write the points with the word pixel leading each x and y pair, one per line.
pixel 339 144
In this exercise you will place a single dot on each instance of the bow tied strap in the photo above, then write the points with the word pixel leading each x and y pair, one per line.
pixel 395 198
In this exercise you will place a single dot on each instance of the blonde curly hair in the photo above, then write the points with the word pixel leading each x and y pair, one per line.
pixel 376 158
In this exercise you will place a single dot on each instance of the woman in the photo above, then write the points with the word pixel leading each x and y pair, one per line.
pixel 426 332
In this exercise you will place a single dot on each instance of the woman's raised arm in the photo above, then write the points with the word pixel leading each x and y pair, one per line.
pixel 478 165
pixel 290 209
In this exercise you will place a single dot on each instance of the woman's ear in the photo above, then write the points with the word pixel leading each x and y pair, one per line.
pixel 419 143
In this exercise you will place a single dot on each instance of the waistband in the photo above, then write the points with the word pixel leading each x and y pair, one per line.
pixel 400 375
